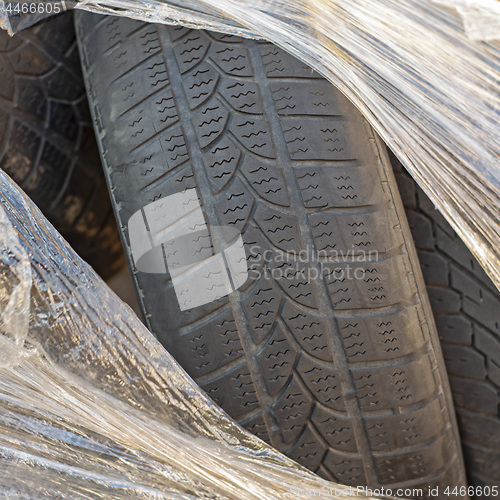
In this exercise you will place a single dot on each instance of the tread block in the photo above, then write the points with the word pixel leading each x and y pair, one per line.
pixel 306 451
pixel 32 98
pixel 277 361
pixel 482 430
pixel 221 162
pixel 216 343
pixel 112 33
pixel 361 285
pixel 345 468
pixel 140 129
pixel 292 411
pixel 299 98
pixel 316 139
pixel 266 179
pixel 352 236
pixel 254 134
pixel 190 50
pixel 478 302
pixel 474 395
pixel 279 228
pixel 235 206
pixel 487 343
pixel 450 244
pixel 223 37
pixel 210 124
pixel 406 185
pixel 377 338
pixel 484 460
pixel 262 305
pixel 345 236
pixel 280 64
pixel 295 278
pixel 402 430
pixel 308 330
pixel 454 329
pixel 201 85
pixel 243 96
pixel 232 59
pixel 464 362
pixel 421 229
pixel 33 63
pixel 335 428
pixel 416 463
pixel 324 187
pixel 234 390
pixel 8 88
pixel 396 386
pixel 257 426
pixel 323 383
pixel 444 300
pixel 434 268
pixel 256 250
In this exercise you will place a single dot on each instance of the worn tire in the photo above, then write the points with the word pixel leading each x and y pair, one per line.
pixel 47 144
pixel 344 375
pixel 466 305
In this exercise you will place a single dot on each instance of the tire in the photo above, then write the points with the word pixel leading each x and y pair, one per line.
pixel 343 375
pixel 47 143
pixel 466 305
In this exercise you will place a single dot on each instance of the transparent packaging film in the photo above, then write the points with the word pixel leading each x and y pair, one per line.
pixel 481 18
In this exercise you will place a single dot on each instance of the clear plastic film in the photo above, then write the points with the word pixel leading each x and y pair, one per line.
pixel 429 90
pixel 92 406
pixel 481 18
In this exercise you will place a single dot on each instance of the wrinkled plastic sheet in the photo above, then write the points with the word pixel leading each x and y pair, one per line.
pixel 430 91
pixel 92 406
pixel 481 18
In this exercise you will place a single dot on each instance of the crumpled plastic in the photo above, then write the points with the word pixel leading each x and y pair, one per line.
pixel 92 406
pixel 430 92
pixel 481 18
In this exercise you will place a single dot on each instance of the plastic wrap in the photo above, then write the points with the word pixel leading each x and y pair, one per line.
pixel 430 92
pixel 481 18
pixel 91 405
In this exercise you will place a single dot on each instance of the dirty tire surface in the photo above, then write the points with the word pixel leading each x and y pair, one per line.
pixel 47 144
pixel 466 306
pixel 342 374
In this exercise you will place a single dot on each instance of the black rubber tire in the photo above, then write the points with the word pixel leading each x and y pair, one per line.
pixel 466 306
pixel 47 144
pixel 343 375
